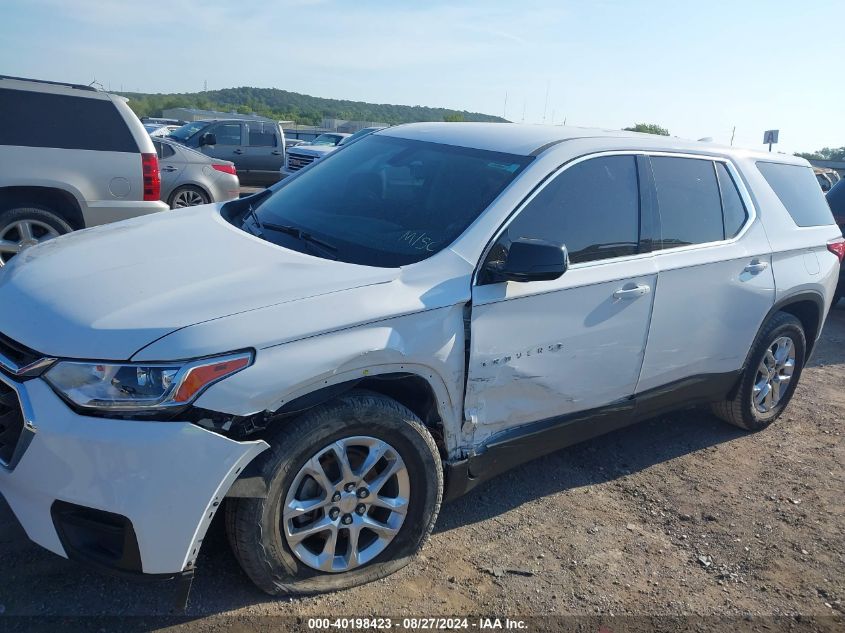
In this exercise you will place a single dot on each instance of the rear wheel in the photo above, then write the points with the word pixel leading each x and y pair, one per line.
pixel 770 376
pixel 27 226
pixel 354 485
pixel 188 196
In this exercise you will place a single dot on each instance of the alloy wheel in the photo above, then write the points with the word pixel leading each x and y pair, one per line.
pixel 187 198
pixel 22 234
pixel 774 374
pixel 346 504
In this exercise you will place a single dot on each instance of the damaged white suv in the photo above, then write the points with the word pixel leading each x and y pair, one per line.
pixel 329 359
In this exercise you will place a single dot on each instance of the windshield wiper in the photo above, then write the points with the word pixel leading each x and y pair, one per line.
pixel 250 211
pixel 299 234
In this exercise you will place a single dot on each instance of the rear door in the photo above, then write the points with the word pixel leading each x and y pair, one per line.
pixel 170 166
pixel 715 284
pixel 547 348
pixel 264 152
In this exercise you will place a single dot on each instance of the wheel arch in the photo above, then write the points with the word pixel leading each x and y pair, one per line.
pixel 423 392
pixel 807 307
pixel 60 201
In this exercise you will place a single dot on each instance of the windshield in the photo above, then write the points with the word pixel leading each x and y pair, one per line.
pixel 327 139
pixel 358 134
pixel 385 201
pixel 188 130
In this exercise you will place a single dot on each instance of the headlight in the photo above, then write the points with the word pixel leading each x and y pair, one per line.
pixel 140 386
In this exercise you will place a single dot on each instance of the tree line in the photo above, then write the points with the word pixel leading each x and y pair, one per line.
pixel 292 106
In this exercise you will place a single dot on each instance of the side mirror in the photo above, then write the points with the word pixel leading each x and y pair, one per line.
pixel 209 138
pixel 527 260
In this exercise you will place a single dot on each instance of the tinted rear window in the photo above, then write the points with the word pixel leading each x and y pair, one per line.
pixel 689 201
pixel 799 191
pixel 37 119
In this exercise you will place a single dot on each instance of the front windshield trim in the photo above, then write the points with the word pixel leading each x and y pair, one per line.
pixel 428 195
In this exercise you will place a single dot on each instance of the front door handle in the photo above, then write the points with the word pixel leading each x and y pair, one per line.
pixel 632 291
pixel 276 153
pixel 238 151
pixel 756 266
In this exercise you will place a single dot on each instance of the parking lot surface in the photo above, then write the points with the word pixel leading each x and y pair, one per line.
pixel 675 516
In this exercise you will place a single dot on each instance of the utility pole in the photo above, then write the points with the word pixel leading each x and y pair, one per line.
pixel 733 134
pixel 546 105
pixel 205 86
pixel 523 110
pixel 505 109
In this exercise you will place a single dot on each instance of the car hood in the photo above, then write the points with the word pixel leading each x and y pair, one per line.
pixel 313 150
pixel 107 292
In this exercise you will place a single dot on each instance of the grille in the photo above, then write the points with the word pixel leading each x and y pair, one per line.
pixel 298 161
pixel 11 422
pixel 17 353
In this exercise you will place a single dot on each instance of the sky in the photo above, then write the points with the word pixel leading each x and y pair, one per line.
pixel 697 68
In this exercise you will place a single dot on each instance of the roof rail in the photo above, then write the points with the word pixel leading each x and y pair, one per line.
pixel 53 83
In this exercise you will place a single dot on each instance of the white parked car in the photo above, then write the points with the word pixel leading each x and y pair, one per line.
pixel 329 359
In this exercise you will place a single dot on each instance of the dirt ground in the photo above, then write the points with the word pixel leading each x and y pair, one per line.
pixel 678 516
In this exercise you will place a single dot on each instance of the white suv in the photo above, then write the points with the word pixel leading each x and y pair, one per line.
pixel 425 308
pixel 72 157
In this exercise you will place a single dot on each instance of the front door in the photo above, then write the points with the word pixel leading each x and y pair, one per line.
pixel 548 348
pixel 229 144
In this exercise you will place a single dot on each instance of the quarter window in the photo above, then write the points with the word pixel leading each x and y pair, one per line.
pixel 688 201
pixel 592 208
pixel 799 192
pixel 40 119
pixel 733 210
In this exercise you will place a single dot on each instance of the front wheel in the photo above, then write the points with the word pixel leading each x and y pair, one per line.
pixel 770 376
pixel 354 485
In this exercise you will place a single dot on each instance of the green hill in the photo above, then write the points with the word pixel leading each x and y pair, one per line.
pixel 303 109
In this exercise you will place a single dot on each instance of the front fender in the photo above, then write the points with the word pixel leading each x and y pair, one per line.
pixel 429 344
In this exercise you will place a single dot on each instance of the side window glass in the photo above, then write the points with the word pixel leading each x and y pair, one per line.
pixel 733 210
pixel 592 208
pixel 261 135
pixel 158 147
pixel 688 201
pixel 227 133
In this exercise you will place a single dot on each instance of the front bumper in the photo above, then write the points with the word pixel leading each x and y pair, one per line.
pixel 165 479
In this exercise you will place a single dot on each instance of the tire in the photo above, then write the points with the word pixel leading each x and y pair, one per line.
pixel 741 410
pixel 42 224
pixel 255 526
pixel 188 196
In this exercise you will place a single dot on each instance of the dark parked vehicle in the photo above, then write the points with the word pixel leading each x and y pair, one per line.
pixel 257 147
pixel 836 200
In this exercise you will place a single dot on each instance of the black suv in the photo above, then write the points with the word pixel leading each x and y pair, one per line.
pixel 836 200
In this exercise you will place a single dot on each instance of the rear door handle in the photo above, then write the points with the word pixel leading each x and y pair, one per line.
pixel 276 153
pixel 238 151
pixel 631 291
pixel 169 168
pixel 756 266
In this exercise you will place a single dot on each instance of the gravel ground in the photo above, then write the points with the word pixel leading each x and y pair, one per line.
pixel 678 516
